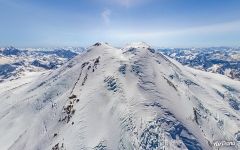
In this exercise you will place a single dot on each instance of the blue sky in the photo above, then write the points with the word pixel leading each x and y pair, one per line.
pixel 164 23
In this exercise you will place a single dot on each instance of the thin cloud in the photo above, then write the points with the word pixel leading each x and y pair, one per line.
pixel 202 30
pixel 106 16
pixel 127 3
pixel 124 3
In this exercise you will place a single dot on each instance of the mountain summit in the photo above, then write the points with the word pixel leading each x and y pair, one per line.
pixel 129 98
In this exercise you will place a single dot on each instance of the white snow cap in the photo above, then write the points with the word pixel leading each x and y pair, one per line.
pixel 100 43
pixel 138 45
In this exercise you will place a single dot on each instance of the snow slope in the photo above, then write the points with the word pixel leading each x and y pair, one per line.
pixel 129 98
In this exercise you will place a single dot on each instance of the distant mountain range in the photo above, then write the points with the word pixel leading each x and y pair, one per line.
pixel 14 62
pixel 222 60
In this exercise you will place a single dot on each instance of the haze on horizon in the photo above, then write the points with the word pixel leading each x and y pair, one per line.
pixel 165 23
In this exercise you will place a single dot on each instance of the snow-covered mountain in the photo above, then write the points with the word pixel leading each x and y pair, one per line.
pixel 129 98
pixel 222 60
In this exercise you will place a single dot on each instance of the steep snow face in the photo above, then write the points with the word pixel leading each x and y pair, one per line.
pixel 130 98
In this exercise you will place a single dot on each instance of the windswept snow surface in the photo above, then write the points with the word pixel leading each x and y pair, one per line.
pixel 129 98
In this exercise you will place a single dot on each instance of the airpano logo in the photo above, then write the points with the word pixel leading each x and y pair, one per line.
pixel 225 143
